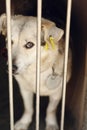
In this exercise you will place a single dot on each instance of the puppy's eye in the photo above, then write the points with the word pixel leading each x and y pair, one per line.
pixel 29 45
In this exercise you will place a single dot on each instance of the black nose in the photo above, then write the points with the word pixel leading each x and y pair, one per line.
pixel 14 68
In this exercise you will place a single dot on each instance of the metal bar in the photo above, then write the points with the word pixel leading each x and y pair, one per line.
pixel 39 11
pixel 8 11
pixel 69 5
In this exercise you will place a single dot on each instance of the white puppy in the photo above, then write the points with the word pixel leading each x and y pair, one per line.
pixel 24 42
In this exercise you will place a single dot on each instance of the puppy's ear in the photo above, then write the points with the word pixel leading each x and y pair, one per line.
pixel 56 33
pixel 3 24
pixel 49 29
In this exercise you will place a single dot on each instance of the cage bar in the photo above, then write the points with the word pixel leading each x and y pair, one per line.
pixel 8 12
pixel 68 19
pixel 39 12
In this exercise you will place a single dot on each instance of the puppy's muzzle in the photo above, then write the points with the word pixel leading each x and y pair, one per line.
pixel 14 66
pixel 14 69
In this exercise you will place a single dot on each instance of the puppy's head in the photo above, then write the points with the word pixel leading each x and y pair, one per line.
pixel 24 40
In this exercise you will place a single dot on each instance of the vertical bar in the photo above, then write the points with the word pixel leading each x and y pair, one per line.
pixel 39 11
pixel 8 11
pixel 69 4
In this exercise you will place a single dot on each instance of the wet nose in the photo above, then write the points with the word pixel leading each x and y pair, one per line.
pixel 14 68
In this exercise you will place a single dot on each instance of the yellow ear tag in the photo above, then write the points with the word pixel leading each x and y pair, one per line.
pixel 52 42
pixel 46 46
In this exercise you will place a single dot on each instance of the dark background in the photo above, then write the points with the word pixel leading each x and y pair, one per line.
pixel 56 11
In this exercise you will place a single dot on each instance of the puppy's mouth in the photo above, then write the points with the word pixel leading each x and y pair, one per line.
pixel 17 70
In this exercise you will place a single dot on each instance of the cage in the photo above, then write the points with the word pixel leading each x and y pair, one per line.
pixel 76 90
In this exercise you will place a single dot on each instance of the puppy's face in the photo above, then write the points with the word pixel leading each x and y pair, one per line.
pixel 24 40
pixel 24 46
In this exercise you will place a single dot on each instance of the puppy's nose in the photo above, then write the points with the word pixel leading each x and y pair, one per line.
pixel 14 68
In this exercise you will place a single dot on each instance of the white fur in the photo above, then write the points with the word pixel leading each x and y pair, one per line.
pixel 24 30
